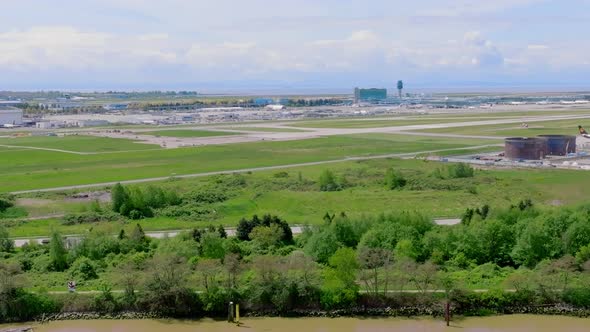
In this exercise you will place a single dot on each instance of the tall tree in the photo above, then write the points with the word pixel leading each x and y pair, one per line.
pixel 119 197
pixel 6 244
pixel 57 252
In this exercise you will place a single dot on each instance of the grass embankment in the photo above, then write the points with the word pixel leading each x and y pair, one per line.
pixel 294 195
pixel 35 169
pixel 187 133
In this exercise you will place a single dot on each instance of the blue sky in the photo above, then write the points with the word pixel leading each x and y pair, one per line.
pixel 293 44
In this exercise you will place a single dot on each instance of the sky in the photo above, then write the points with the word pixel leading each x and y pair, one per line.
pixel 225 45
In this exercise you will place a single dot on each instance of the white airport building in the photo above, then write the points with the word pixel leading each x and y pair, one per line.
pixel 10 116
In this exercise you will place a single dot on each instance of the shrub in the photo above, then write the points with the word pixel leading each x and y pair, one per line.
pixel 6 202
pixel 89 217
pixel 282 174
pixel 206 196
pixel 6 244
pixel 83 269
pixel 394 179
pixel 579 297
pixel 460 170
pixel 328 181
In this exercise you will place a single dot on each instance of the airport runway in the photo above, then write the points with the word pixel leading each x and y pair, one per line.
pixel 246 136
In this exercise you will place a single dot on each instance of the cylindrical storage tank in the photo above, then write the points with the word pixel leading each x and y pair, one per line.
pixel 529 148
pixel 560 145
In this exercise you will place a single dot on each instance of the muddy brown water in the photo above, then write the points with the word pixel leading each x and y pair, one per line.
pixel 512 323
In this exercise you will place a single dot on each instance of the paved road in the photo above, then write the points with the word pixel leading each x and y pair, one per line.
pixel 255 169
pixel 231 231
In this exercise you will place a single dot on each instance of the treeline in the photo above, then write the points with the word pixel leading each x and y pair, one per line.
pixel 542 256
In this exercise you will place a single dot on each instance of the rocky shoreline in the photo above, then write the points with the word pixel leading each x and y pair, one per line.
pixel 557 309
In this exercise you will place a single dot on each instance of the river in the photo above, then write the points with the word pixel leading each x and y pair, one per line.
pixel 509 323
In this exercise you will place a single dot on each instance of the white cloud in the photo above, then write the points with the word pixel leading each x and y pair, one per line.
pixel 66 48
pixel 536 47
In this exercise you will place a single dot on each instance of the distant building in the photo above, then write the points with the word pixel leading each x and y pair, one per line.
pixel 61 105
pixel 115 107
pixel 372 94
pixel 46 124
pixel 263 101
pixel 10 116
pixel 10 102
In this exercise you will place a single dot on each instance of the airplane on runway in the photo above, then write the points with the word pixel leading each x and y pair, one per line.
pixel 9 125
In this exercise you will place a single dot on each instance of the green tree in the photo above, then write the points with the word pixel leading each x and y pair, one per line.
pixel 267 237
pixel 576 236
pixel 57 253
pixel 83 269
pixel 583 255
pixel 212 246
pixel 119 197
pixel 339 288
pixel 6 244
pixel 345 263
pixel 166 289
pixel 533 244
pixel 321 245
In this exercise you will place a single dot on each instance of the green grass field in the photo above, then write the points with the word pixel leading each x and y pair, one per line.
pixel 305 204
pixel 187 133
pixel 35 169
pixel 76 143
pixel 562 127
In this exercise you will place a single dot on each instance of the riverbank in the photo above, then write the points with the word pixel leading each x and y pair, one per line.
pixel 520 323
pixel 409 312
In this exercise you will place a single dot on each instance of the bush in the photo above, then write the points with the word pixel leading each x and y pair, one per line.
pixel 579 297
pixel 192 211
pixel 105 301
pixel 282 174
pixel 83 269
pixel 206 196
pixel 245 227
pixel 6 244
pixel 460 171
pixel 6 202
pixel 89 217
pixel 328 181
pixel 394 179
pixel 22 306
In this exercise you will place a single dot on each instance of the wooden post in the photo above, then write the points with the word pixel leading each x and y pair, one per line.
pixel 448 312
pixel 238 314
pixel 230 312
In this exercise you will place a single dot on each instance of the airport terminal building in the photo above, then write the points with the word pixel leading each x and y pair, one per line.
pixel 10 116
pixel 369 95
